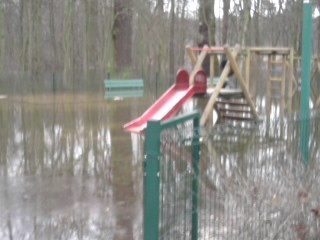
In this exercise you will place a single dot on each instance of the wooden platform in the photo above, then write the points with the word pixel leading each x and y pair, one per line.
pixel 226 92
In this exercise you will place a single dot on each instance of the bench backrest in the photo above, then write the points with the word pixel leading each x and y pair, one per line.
pixel 119 83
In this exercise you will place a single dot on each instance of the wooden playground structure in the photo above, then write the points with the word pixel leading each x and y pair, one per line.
pixel 281 83
pixel 266 86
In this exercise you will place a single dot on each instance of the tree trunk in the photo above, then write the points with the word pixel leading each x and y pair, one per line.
pixel 53 35
pixel 2 40
pixel 207 30
pixel 107 32
pixel 256 22
pixel 85 38
pixel 159 7
pixel 67 38
pixel 226 8
pixel 246 18
pixel 180 59
pixel 39 42
pixel 122 34
pixel 171 45
pixel 207 21
pixel 30 35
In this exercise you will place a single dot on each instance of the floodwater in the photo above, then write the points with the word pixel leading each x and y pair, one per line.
pixel 67 168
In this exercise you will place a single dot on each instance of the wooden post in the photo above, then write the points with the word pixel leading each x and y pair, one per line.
pixel 269 84
pixel 211 69
pixel 236 70
pixel 198 64
pixel 291 76
pixel 318 102
pixel 248 61
pixel 283 84
pixel 192 56
pixel 213 98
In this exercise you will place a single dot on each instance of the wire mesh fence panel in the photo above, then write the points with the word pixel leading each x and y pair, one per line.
pixel 254 183
pixel 171 170
pixel 176 176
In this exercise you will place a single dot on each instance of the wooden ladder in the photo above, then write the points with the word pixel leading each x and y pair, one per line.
pixel 233 109
pixel 276 84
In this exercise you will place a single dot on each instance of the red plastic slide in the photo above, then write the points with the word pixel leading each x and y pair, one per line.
pixel 171 101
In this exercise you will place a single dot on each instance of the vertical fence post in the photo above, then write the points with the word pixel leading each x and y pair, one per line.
pixel 195 179
pixel 305 84
pixel 151 183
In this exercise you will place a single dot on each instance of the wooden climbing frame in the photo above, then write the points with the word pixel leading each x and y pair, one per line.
pixel 277 57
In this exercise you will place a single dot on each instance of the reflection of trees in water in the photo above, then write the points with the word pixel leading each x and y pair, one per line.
pixel 56 141
pixel 4 139
pixel 79 226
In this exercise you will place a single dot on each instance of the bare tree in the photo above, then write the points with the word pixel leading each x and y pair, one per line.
pixel 67 40
pixel 2 38
pixel 226 9
pixel 85 37
pixel 122 33
pixel 208 21
pixel 245 24
pixel 52 34
pixel 172 39
pixel 256 20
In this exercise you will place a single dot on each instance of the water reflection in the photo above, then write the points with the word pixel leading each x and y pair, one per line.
pixel 67 169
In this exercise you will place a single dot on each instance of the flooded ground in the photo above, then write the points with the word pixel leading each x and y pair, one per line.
pixel 67 168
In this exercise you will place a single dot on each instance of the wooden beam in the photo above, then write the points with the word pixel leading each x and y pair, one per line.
pixel 248 61
pixel 236 70
pixel 213 98
pixel 269 50
pixel 292 80
pixel 192 56
pixel 212 70
pixel 198 65
pixel 283 85
pixel 318 102
pixel 269 84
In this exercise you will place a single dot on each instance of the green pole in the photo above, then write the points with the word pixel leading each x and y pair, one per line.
pixel 151 182
pixel 305 79
pixel 195 179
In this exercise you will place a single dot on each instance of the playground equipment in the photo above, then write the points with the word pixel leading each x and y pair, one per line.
pixel 236 104
pixel 281 83
pixel 171 101
pixel 123 88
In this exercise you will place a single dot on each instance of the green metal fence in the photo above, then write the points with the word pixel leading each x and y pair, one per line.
pixel 171 178
pixel 249 182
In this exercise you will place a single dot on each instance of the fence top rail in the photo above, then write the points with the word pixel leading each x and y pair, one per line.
pixel 173 122
pixel 179 119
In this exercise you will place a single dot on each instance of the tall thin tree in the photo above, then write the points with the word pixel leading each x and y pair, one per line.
pixel 122 34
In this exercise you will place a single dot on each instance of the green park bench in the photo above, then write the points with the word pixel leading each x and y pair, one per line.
pixel 113 84
pixel 123 88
